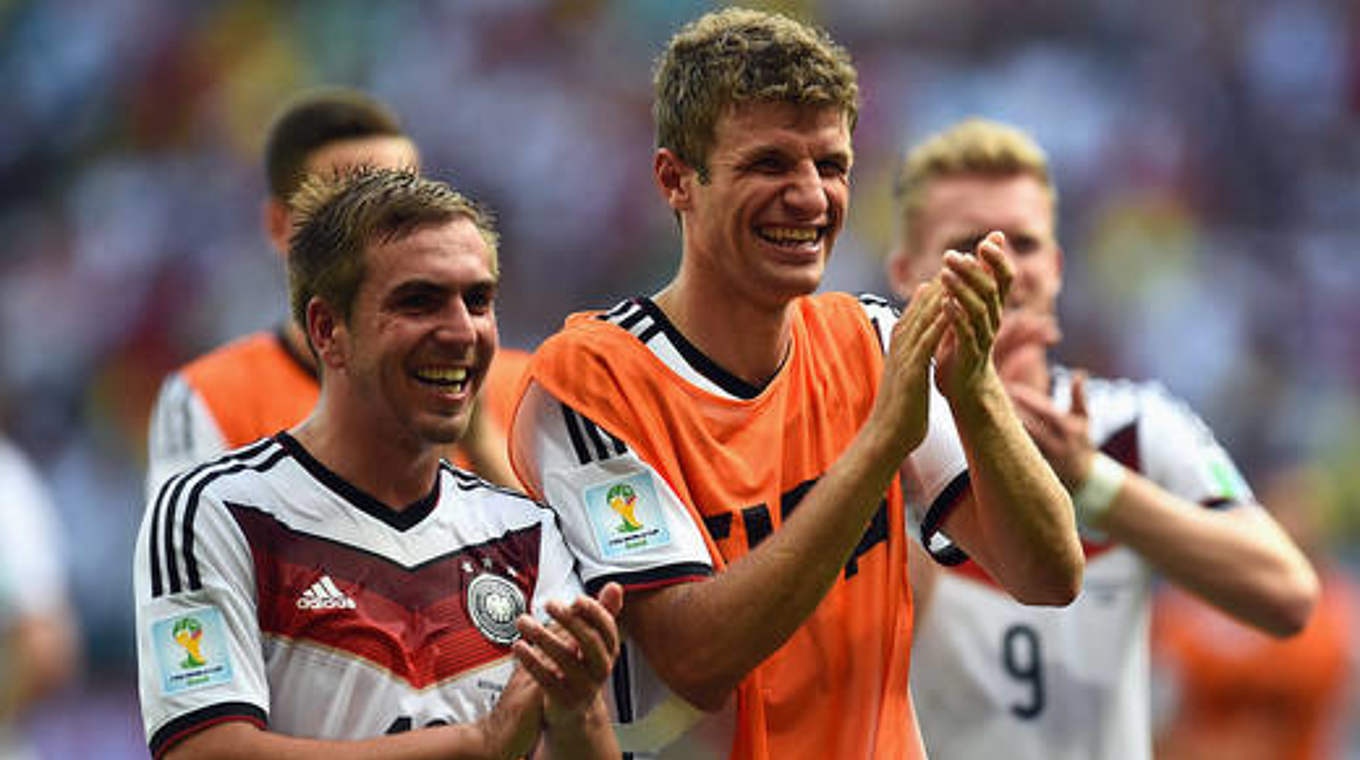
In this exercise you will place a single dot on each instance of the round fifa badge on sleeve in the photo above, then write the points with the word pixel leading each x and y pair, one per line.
pixel 493 603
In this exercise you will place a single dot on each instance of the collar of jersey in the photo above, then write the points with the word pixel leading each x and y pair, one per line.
pixel 400 519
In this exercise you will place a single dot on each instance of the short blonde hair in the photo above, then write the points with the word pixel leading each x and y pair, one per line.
pixel 736 56
pixel 972 146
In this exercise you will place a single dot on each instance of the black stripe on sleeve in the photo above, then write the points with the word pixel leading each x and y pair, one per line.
pixel 578 441
pixel 193 581
pixel 631 320
pixel 191 723
pixel 596 439
pixel 623 696
pixel 939 510
pixel 169 497
pixel 654 577
pixel 157 583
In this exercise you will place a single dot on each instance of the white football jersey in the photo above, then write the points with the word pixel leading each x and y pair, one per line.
pixel 994 678
pixel 271 590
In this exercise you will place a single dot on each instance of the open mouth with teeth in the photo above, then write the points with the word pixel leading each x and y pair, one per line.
pixel 791 237
pixel 448 379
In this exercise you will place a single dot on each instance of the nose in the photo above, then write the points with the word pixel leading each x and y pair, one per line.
pixel 805 192
pixel 456 324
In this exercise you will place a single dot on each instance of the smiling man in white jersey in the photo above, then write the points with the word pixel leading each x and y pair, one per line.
pixel 337 590
pixel 1153 491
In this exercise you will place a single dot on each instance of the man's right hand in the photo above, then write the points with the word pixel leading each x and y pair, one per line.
pixel 571 658
pixel 903 399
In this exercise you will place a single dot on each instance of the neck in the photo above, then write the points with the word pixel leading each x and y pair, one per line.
pixel 391 469
pixel 747 339
pixel 297 342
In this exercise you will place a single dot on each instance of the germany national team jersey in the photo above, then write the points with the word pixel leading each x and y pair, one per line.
pixel 255 386
pixel 664 468
pixel 270 590
pixel 995 678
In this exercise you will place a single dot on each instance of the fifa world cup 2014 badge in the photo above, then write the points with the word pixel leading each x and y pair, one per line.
pixel 493 603
pixel 625 515
pixel 191 650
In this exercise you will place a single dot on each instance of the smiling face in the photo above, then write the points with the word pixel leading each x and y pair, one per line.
pixel 422 331
pixel 959 210
pixel 765 222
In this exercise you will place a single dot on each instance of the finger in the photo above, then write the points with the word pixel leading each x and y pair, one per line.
pixel 922 313
pixel 1038 408
pixel 1079 394
pixel 596 635
pixel 556 641
pixel 969 281
pixel 541 669
pixel 536 664
pixel 992 251
pixel 965 329
pixel 564 669
pixel 979 275
pixel 611 597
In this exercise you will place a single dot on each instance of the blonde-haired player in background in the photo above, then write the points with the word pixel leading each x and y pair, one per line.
pixel 1153 491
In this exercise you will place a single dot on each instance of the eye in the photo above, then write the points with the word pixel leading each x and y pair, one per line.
pixel 966 244
pixel 1023 244
pixel 832 168
pixel 417 303
pixel 479 300
pixel 767 165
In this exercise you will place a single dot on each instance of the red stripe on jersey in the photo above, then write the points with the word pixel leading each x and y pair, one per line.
pixel 412 622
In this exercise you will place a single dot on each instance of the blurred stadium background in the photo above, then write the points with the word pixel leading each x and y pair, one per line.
pixel 1207 154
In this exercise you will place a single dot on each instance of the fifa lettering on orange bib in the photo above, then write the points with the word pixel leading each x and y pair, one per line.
pixel 625 515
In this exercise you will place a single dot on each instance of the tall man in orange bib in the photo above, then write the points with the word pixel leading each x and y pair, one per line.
pixel 265 382
pixel 729 448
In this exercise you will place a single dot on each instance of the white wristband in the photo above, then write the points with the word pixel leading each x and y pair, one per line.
pixel 1093 499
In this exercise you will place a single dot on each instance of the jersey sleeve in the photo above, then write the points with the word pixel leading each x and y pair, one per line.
pixel 557 578
pixel 32 567
pixel 1180 453
pixel 200 656
pixel 620 519
pixel 935 475
pixel 182 432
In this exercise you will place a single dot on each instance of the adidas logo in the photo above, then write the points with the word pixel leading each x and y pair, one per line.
pixel 324 595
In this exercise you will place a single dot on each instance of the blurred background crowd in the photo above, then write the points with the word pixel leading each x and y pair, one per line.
pixel 1207 153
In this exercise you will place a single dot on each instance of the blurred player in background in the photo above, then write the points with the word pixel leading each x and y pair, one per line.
pixel 1153 491
pixel 339 581
pixel 265 382
pixel 1235 692
pixel 38 642
pixel 729 448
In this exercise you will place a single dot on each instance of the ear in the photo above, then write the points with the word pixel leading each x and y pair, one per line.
pixel 326 330
pixel 898 268
pixel 278 224
pixel 1058 262
pixel 673 177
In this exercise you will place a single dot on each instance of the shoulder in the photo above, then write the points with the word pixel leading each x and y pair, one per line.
pixel 229 475
pixel 236 367
pixel 482 508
